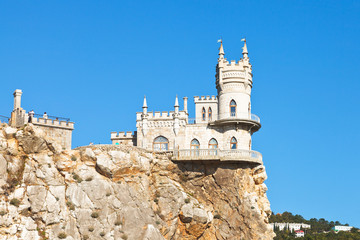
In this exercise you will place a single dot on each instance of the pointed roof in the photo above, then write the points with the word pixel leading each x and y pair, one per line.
pixel 245 48
pixel 221 51
pixel 245 51
pixel 145 103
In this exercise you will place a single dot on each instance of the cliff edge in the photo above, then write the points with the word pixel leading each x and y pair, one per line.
pixel 121 192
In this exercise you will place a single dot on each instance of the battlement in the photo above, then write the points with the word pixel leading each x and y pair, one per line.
pixel 164 115
pixel 123 135
pixel 52 123
pixel 126 138
pixel 206 99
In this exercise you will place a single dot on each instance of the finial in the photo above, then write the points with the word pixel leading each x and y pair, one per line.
pixel 221 49
pixel 245 51
pixel 145 104
pixel 176 101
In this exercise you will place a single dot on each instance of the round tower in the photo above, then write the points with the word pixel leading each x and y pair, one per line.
pixel 234 83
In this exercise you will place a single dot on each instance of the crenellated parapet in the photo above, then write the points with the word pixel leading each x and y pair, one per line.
pixel 127 138
pixel 53 123
pixel 205 99
pixel 165 115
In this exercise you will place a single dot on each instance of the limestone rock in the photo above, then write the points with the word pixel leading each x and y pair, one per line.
pixel 9 132
pixel 119 192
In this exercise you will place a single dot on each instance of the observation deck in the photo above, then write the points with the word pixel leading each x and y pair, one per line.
pixel 233 155
pixel 231 118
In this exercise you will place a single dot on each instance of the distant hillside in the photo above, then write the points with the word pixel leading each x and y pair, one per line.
pixel 320 228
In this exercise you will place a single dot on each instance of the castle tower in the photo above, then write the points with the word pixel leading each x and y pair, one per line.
pixel 233 84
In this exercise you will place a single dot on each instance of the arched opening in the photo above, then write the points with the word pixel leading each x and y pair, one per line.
pixel 203 114
pixel 210 113
pixel 213 144
pixel 195 144
pixel 161 144
pixel 233 108
pixel 233 143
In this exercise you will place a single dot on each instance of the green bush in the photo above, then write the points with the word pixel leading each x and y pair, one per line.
pixel 95 215
pixel 91 229
pixel 89 179
pixel 15 202
pixel 62 235
pixel 187 200
pixel 217 216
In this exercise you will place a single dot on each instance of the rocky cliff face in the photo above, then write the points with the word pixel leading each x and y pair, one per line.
pixel 118 192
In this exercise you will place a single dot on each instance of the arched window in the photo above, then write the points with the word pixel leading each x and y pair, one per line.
pixel 213 144
pixel 210 113
pixel 161 144
pixel 232 108
pixel 233 143
pixel 195 144
pixel 203 114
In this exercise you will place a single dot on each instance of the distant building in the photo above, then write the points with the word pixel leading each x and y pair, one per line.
pixel 341 228
pixel 299 233
pixel 291 226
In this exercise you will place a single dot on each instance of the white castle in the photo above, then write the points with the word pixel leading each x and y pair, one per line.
pixel 222 127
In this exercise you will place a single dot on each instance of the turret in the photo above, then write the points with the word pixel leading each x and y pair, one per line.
pixel 185 104
pixel 234 83
pixel 176 116
pixel 17 99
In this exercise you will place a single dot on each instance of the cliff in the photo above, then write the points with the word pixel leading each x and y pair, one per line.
pixel 121 192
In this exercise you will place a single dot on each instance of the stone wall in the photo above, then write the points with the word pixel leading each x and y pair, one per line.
pixel 202 132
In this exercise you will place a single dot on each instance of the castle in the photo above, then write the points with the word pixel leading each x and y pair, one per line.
pixel 58 128
pixel 222 127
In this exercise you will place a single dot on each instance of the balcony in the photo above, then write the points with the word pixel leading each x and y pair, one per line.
pixel 243 118
pixel 230 118
pixel 234 155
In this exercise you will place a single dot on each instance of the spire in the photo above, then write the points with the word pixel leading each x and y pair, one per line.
pixel 221 50
pixel 176 101
pixel 245 51
pixel 144 107
pixel 176 106
pixel 145 104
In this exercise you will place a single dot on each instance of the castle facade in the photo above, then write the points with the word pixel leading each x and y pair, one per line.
pixel 222 127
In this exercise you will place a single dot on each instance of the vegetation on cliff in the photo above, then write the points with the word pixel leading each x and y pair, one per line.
pixel 320 228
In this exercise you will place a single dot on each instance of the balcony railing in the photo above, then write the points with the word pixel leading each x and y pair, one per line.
pixel 218 155
pixel 241 116
pixel 4 119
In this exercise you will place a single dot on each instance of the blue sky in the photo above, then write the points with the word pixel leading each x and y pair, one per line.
pixel 93 61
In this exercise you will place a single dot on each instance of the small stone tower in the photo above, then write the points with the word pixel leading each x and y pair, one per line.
pixel 58 128
pixel 233 84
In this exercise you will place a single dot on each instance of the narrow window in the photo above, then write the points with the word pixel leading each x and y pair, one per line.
pixel 194 146
pixel 210 114
pixel 203 114
pixel 213 144
pixel 233 143
pixel 233 108
pixel 161 144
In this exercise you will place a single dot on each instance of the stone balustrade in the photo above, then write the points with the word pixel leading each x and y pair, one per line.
pixel 239 155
